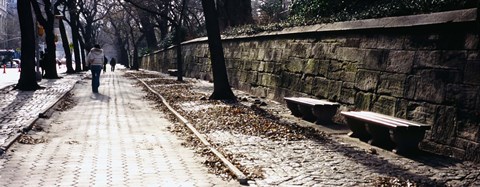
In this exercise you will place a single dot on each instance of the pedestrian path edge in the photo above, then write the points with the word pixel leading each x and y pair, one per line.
pixel 28 126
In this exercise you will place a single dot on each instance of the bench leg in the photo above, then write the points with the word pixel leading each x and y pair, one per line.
pixel 307 113
pixel 407 140
pixel 358 129
pixel 380 136
pixel 325 114
pixel 294 109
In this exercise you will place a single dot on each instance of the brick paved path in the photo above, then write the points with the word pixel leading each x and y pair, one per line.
pixel 20 108
pixel 109 139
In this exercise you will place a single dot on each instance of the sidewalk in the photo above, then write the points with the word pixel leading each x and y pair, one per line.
pixel 19 109
pixel 118 138
pixel 114 138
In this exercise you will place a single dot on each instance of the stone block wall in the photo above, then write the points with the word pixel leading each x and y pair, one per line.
pixel 424 68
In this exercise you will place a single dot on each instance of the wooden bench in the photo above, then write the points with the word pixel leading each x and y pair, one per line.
pixel 172 72
pixel 313 110
pixel 403 136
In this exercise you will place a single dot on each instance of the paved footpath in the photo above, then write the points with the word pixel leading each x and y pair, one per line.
pixel 114 138
pixel 18 109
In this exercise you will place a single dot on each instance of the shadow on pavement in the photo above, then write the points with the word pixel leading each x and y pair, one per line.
pixel 21 99
pixel 381 165
pixel 100 97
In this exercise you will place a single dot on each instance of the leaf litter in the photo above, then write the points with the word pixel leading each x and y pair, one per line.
pixel 248 117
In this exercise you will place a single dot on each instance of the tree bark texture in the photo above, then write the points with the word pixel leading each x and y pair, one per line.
pixel 82 54
pixel 178 42
pixel 221 86
pixel 148 30
pixel 27 81
pixel 47 22
pixel 75 34
pixel 66 47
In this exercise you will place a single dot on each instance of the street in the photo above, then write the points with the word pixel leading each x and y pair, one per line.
pixel 9 76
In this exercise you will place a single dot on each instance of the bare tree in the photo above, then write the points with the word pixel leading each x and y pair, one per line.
pixel 92 13
pixel 222 89
pixel 117 28
pixel 66 46
pixel 74 22
pixel 27 81
pixel 47 19
pixel 175 19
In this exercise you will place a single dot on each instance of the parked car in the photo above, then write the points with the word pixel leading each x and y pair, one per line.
pixel 16 62
pixel 9 58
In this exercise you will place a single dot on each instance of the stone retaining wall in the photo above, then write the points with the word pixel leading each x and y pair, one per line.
pixel 425 68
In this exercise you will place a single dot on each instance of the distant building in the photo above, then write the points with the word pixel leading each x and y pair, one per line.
pixel 3 22
pixel 11 26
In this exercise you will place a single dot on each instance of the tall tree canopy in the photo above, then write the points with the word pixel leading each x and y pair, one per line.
pixel 234 13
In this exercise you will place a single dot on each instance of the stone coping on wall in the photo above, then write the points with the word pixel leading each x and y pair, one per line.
pixel 457 16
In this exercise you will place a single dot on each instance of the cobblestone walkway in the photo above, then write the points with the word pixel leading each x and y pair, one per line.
pixel 113 138
pixel 20 108
pixel 337 161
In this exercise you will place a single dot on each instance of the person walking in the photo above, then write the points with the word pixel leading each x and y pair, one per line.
pixel 113 62
pixel 42 62
pixel 95 59
pixel 105 61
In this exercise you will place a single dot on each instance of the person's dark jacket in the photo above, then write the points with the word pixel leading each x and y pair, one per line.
pixel 113 62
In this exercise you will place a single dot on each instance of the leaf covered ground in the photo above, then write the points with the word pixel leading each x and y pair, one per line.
pixel 249 117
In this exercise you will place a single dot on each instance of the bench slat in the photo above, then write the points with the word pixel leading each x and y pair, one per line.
pixel 403 135
pixel 367 115
pixel 386 120
pixel 397 119
pixel 309 101
pixel 372 120
pixel 323 102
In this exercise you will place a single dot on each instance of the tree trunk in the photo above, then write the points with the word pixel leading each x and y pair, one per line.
pixel 27 81
pixel 148 30
pixel 221 86
pixel 50 64
pixel 135 64
pixel 163 27
pixel 135 61
pixel 178 42
pixel 127 52
pixel 66 47
pixel 120 46
pixel 75 34
pixel 50 57
pixel 82 55
pixel 88 35
pixel 124 56
pixel 179 54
